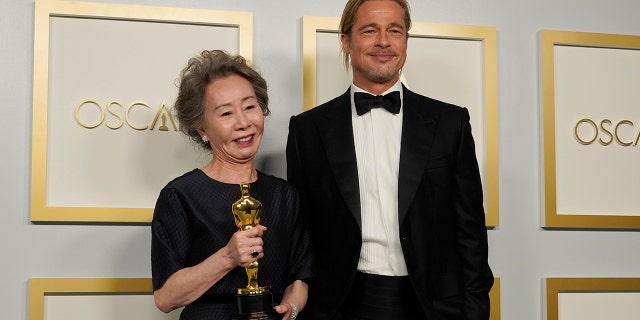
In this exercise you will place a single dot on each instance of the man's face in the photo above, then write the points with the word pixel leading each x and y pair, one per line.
pixel 377 44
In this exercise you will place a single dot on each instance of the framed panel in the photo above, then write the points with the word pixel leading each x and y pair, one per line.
pixel 104 139
pixel 494 296
pixel 591 129
pixel 68 291
pixel 592 298
pixel 80 298
pixel 462 66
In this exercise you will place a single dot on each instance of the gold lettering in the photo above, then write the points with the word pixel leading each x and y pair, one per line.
pixel 575 131
pixel 84 124
pixel 616 132
pixel 602 123
pixel 111 111
pixel 163 107
pixel 118 115
pixel 140 103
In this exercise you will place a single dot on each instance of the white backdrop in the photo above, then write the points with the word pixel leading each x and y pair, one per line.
pixel 521 253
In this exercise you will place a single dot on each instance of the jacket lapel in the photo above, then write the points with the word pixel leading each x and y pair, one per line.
pixel 336 130
pixel 418 128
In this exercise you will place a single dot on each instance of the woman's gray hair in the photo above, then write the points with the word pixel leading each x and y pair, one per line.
pixel 203 70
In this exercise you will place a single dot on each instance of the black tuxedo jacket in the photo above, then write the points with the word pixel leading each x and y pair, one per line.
pixel 441 215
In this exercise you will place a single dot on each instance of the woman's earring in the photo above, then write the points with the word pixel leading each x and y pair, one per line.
pixel 204 139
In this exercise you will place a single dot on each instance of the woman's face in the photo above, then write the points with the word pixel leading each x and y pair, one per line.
pixel 234 122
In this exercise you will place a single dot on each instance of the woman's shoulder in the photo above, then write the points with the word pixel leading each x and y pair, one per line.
pixel 186 180
pixel 272 180
pixel 275 184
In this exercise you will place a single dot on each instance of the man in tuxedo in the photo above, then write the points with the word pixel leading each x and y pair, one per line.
pixel 390 185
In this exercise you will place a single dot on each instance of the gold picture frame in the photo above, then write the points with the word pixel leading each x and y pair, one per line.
pixel 555 286
pixel 550 41
pixel 40 288
pixel 313 27
pixel 48 11
pixel 494 296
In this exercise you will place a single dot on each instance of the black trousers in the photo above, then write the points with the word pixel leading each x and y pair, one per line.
pixel 376 297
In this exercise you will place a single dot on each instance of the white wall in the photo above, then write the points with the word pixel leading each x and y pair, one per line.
pixel 521 253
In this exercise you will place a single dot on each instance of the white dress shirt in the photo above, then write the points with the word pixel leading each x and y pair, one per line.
pixel 377 135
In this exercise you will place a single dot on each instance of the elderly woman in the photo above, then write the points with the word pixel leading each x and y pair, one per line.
pixel 198 253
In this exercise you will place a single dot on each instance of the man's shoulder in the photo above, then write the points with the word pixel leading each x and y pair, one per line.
pixel 327 107
pixel 415 99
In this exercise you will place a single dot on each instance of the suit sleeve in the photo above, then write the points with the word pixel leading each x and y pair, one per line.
pixel 295 166
pixel 472 232
pixel 293 157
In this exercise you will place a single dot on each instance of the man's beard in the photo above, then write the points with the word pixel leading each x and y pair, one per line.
pixel 383 74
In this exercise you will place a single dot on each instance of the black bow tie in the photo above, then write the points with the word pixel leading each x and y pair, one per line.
pixel 364 102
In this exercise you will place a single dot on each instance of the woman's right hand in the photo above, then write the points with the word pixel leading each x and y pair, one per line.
pixel 188 284
pixel 244 245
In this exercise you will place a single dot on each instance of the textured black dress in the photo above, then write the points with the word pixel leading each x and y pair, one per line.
pixel 193 219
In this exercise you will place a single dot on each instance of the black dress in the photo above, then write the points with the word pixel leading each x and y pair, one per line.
pixel 193 219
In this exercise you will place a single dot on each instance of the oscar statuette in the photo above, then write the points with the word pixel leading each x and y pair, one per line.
pixel 253 302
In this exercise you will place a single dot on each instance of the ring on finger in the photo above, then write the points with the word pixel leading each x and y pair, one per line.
pixel 254 252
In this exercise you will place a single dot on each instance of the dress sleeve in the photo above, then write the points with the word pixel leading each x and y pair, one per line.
pixel 170 234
